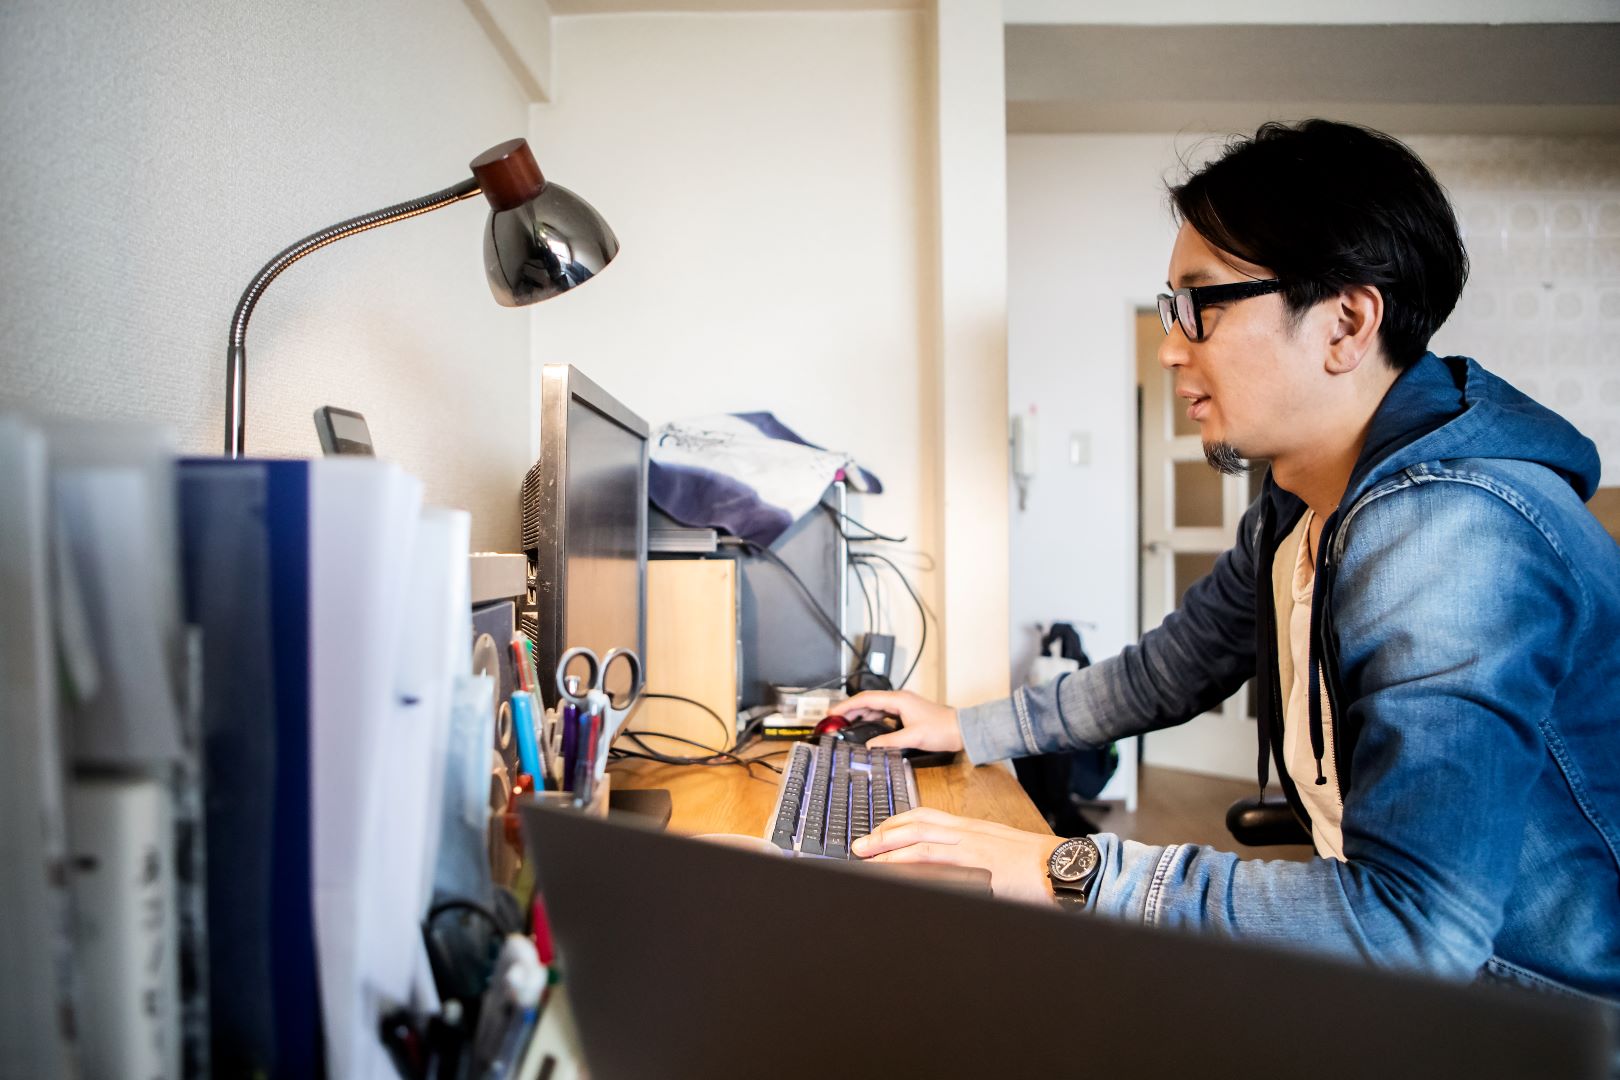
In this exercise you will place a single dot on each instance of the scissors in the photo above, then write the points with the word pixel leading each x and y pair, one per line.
pixel 597 709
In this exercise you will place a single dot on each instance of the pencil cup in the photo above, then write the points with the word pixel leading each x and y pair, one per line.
pixel 599 800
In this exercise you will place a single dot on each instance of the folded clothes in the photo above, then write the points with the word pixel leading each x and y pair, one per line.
pixel 746 473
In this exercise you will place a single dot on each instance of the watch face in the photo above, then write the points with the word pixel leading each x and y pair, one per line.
pixel 1074 860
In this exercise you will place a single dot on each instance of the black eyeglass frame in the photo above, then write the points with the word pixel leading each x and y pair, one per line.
pixel 1186 306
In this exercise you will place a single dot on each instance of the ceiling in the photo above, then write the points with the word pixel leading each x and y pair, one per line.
pixel 1415 78
pixel 687 7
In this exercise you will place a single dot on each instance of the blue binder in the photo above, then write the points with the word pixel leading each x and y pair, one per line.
pixel 245 541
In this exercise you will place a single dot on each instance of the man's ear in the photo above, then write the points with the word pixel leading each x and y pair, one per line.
pixel 1358 313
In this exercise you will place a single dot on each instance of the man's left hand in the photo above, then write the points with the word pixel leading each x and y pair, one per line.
pixel 1016 859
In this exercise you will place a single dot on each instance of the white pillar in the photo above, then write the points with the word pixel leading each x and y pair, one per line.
pixel 970 394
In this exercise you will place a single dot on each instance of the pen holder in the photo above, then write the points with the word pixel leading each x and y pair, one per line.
pixel 598 806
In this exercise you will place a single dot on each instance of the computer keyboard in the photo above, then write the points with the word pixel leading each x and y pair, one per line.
pixel 834 793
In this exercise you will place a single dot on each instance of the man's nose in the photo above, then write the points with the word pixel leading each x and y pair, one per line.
pixel 1173 349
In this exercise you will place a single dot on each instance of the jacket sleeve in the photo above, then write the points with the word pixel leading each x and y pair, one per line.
pixel 1198 657
pixel 1455 615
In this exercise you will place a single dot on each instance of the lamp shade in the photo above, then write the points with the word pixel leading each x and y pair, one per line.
pixel 541 238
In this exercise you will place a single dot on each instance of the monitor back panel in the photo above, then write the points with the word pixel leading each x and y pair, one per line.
pixel 680 963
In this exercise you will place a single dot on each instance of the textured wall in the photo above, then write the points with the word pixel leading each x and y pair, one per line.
pixel 158 153
pixel 1541 219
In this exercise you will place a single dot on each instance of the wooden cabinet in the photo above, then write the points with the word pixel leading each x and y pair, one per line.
pixel 691 651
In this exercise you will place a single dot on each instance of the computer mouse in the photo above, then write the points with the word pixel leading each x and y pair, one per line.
pixel 869 727
pixel 831 725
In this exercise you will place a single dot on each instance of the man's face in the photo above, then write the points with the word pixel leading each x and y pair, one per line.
pixel 1247 384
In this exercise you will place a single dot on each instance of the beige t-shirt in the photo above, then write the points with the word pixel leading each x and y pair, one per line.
pixel 1293 576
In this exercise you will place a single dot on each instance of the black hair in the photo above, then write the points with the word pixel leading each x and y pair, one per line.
pixel 1326 205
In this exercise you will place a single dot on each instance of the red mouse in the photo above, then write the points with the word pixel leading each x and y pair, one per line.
pixel 831 725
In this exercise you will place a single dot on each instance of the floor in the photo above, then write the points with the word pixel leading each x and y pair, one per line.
pixel 1175 807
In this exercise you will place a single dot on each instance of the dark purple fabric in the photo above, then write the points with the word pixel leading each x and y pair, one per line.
pixel 701 498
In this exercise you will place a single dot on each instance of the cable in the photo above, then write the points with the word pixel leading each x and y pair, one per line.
pixel 860 579
pixel 922 612
pixel 724 727
pixel 810 597
pixel 871 533
pixel 725 757
pixel 880 617
pixel 472 907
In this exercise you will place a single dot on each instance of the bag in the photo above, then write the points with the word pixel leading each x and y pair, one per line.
pixel 1058 783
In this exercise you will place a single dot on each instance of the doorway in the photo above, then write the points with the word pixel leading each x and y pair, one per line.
pixel 1189 515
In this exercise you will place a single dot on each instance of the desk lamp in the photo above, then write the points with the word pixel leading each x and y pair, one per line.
pixel 541 240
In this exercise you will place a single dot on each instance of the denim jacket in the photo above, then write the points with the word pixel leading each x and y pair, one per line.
pixel 1466 617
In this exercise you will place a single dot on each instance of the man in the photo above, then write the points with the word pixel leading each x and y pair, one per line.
pixel 1430 611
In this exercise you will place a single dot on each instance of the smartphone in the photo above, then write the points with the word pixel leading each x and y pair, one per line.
pixel 342 431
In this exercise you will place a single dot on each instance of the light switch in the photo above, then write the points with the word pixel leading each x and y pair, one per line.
pixel 1079 448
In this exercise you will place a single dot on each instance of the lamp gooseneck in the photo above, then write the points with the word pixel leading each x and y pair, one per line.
pixel 236 353
pixel 541 240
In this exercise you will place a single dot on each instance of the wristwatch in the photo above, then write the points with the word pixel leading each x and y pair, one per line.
pixel 1072 870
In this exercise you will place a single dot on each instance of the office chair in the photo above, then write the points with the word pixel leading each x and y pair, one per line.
pixel 1264 821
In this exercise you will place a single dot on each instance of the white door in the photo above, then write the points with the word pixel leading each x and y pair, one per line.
pixel 1189 516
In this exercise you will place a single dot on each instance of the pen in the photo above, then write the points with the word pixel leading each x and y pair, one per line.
pixel 509 1007
pixel 404 1043
pixel 590 729
pixel 604 739
pixel 570 737
pixel 445 1043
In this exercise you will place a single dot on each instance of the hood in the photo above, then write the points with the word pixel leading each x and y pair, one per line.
pixel 1444 408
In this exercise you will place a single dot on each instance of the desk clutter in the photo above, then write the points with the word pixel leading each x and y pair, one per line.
pixel 245 772
pixel 268 737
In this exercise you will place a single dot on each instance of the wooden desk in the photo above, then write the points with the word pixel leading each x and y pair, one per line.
pixel 724 799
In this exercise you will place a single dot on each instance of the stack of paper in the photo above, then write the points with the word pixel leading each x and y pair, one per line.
pixel 259 660
pixel 348 614
pixel 35 994
pixel 93 652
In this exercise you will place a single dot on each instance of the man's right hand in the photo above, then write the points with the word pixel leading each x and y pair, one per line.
pixel 927 726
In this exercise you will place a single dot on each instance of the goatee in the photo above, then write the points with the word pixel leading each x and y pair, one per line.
pixel 1224 458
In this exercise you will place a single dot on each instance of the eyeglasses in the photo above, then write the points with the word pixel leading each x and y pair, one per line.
pixel 1186 306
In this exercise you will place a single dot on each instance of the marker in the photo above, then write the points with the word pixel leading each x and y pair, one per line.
pixel 543 945
pixel 520 663
pixel 523 721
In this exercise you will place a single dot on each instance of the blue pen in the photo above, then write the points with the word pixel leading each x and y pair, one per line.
pixel 570 738
pixel 590 729
pixel 528 748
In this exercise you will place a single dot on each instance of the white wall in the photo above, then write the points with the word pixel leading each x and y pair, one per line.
pixel 768 176
pixel 1089 236
pixel 158 153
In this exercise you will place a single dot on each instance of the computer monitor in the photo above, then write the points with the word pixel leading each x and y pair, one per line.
pixel 585 527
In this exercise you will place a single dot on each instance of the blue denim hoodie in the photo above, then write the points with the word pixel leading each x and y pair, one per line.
pixel 1467 618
